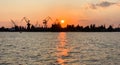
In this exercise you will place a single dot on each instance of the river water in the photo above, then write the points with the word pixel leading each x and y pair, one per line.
pixel 59 48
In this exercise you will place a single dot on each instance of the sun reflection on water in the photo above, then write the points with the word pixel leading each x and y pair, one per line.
pixel 62 49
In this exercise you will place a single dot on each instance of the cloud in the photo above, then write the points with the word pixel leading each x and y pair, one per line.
pixel 92 6
pixel 105 4
pixel 102 4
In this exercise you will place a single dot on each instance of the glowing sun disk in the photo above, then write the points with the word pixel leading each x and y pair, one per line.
pixel 62 21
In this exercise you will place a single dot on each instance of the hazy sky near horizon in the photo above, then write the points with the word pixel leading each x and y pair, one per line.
pixel 81 12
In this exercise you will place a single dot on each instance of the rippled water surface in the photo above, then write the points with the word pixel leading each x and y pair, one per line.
pixel 71 48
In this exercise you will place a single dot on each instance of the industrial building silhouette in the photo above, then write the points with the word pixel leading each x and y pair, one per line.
pixel 56 27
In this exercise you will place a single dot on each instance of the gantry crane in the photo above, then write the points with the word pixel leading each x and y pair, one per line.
pixel 45 21
pixel 27 21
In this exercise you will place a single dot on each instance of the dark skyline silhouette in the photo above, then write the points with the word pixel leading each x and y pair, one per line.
pixel 56 27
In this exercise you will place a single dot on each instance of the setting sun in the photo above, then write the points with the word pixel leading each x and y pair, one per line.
pixel 62 21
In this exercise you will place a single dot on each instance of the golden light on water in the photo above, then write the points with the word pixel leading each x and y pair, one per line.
pixel 63 51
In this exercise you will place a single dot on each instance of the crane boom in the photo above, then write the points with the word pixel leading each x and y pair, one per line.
pixel 13 22
pixel 26 19
pixel 28 23
pixel 45 21
pixel 48 18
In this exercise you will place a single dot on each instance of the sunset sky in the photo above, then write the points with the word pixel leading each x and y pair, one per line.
pixel 82 12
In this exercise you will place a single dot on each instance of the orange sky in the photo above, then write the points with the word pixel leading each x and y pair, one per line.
pixel 75 12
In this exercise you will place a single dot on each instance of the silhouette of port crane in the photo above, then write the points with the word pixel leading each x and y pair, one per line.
pixel 13 22
pixel 27 21
pixel 45 21
pixel 15 28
